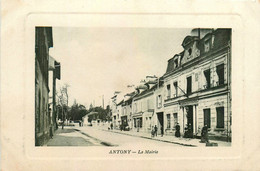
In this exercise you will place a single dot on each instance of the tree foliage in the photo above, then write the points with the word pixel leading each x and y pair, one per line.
pixel 102 114
pixel 63 102
pixel 77 111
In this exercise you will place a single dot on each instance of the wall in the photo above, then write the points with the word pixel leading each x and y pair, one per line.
pixel 42 113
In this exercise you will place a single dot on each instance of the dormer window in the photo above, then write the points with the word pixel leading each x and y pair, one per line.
pixel 207 45
pixel 190 51
pixel 176 63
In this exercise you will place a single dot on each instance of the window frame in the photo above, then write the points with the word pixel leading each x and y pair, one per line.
pixel 175 119
pixel 168 87
pixel 217 116
pixel 208 121
pixel 219 74
pixel 175 84
pixel 189 92
pixel 168 117
pixel 159 101
pixel 208 81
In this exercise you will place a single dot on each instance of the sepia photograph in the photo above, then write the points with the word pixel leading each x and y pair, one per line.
pixel 129 85
pixel 121 87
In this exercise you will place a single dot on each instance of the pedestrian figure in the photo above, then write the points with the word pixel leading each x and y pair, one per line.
pixel 111 126
pixel 190 133
pixel 152 132
pixel 51 133
pixel 161 131
pixel 177 130
pixel 155 130
pixel 204 134
pixel 186 132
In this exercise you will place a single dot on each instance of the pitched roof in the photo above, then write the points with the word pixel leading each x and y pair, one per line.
pixel 221 39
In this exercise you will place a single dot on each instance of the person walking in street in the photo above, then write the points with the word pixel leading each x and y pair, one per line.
pixel 155 130
pixel 204 134
pixel 111 126
pixel 186 131
pixel 177 130
pixel 161 130
pixel 190 133
pixel 152 132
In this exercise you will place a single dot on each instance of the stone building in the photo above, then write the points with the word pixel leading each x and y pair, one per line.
pixel 126 117
pixel 116 109
pixel 43 41
pixel 143 105
pixel 54 73
pixel 197 85
pixel 158 118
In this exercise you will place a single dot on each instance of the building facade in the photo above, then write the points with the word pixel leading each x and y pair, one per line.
pixel 197 85
pixel 54 73
pixel 194 92
pixel 116 109
pixel 159 119
pixel 43 41
pixel 144 105
pixel 127 117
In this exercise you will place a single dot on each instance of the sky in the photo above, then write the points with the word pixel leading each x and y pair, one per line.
pixel 100 61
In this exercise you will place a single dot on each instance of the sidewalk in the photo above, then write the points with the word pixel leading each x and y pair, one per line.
pixel 70 137
pixel 169 139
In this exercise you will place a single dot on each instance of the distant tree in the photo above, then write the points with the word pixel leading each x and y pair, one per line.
pixel 108 113
pixel 102 114
pixel 90 106
pixel 63 101
pixel 77 111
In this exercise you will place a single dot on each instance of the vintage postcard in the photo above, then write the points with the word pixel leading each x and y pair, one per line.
pixel 100 88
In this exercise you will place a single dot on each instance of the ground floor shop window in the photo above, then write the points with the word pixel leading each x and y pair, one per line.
pixel 168 121
pixel 220 117
pixel 207 120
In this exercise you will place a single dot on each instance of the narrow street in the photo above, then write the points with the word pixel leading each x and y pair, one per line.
pixel 89 136
pixel 100 136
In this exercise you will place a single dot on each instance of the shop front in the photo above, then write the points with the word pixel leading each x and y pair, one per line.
pixel 138 123
pixel 124 123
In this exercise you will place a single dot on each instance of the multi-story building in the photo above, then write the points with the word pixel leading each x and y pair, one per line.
pixel 117 111
pixel 143 105
pixel 114 110
pixel 54 73
pixel 126 117
pixel 158 118
pixel 43 41
pixel 197 85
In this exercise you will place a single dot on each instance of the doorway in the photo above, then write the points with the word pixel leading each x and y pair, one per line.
pixel 160 122
pixel 190 118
